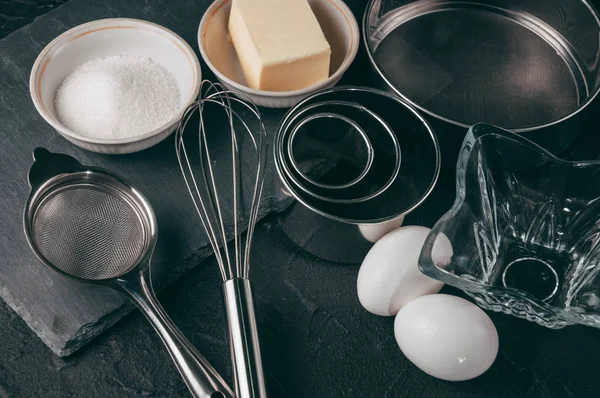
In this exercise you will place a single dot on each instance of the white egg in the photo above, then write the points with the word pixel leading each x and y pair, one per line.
pixel 389 276
pixel 446 337
pixel 374 232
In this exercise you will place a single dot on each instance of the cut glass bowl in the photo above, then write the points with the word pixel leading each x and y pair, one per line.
pixel 525 231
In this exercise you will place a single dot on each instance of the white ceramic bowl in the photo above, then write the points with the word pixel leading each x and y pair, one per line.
pixel 338 25
pixel 105 37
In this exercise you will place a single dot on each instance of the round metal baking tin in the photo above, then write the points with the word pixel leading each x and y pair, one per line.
pixel 522 65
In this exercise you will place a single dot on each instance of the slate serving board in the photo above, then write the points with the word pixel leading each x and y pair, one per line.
pixel 65 314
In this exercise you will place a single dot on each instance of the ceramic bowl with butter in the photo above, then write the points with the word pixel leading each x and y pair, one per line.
pixel 105 38
pixel 336 21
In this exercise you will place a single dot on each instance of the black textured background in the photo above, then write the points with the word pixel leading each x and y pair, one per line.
pixel 317 341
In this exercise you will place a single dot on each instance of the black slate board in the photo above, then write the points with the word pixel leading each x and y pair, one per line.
pixel 64 314
pixel 317 340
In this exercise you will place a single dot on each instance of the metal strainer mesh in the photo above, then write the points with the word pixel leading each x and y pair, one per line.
pixel 88 233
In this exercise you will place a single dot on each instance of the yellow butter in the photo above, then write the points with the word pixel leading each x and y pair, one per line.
pixel 279 43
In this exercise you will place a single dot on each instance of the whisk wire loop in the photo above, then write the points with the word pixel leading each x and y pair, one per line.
pixel 204 188
pixel 212 191
pixel 187 171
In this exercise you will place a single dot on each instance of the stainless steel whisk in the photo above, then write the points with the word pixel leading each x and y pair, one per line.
pixel 206 165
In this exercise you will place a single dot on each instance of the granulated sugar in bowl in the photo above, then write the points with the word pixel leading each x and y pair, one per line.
pixel 117 97
pixel 115 85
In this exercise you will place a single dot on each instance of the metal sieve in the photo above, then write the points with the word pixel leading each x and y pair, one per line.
pixel 104 236
pixel 90 225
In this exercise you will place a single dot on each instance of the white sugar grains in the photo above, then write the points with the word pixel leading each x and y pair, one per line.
pixel 117 97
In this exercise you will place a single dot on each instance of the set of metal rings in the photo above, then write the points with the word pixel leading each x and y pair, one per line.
pixel 356 155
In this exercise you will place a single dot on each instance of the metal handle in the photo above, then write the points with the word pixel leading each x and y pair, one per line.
pixel 201 378
pixel 48 164
pixel 243 338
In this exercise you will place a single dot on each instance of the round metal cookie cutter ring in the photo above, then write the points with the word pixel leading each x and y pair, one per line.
pixel 334 236
pixel 347 120
pixel 284 138
pixel 355 95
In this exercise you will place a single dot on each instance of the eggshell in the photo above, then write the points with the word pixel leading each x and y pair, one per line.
pixel 446 337
pixel 374 232
pixel 389 276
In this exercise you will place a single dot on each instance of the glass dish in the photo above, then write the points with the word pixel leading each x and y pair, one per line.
pixel 525 231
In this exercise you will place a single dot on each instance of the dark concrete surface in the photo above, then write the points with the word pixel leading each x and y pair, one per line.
pixel 317 340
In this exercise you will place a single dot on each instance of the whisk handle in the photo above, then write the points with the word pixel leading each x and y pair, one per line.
pixel 243 339
pixel 201 378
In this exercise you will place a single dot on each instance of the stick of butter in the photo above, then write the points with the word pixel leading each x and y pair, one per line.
pixel 279 43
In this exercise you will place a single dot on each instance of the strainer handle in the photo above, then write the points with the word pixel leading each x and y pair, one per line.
pixel 201 378
pixel 48 164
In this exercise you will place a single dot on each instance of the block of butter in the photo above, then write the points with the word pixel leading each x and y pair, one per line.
pixel 279 43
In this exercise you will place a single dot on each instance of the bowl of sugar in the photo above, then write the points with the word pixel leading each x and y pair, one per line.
pixel 115 85
pixel 278 52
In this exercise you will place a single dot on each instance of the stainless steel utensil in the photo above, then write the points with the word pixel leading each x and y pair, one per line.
pixel 391 188
pixel 354 142
pixel 345 187
pixel 90 225
pixel 239 151
pixel 375 178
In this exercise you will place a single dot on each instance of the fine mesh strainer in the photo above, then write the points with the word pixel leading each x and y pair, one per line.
pixel 90 225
